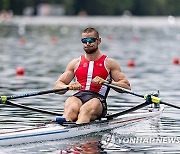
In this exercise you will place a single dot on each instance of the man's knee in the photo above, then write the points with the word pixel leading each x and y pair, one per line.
pixel 85 111
pixel 70 114
pixel 89 112
pixel 71 111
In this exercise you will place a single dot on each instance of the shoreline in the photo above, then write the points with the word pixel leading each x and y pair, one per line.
pixel 149 21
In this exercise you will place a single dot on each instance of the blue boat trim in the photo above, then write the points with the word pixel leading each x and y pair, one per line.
pixel 33 135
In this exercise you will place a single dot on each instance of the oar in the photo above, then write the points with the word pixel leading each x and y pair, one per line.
pixel 5 98
pixel 154 99
pixel 128 110
pixel 32 109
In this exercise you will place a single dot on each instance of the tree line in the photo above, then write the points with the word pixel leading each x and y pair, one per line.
pixel 100 7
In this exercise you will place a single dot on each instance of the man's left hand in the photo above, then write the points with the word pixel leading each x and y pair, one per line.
pixel 99 80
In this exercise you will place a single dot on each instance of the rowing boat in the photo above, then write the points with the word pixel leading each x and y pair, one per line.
pixel 55 131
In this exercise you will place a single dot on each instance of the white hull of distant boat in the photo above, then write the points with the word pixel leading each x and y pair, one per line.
pixel 56 132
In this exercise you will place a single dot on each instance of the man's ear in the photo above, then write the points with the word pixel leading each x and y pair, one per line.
pixel 99 40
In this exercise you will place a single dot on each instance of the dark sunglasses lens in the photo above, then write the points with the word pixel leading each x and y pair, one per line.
pixel 90 40
pixel 84 40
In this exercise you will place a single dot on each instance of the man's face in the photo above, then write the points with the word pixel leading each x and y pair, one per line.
pixel 90 42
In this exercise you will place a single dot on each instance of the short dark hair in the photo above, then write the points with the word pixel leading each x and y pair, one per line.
pixel 90 29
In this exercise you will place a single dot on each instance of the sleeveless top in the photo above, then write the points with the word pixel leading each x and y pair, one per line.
pixel 87 70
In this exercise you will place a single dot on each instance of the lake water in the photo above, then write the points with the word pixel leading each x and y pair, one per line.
pixel 44 46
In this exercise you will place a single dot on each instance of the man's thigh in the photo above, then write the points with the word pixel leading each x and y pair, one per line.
pixel 73 102
pixel 93 106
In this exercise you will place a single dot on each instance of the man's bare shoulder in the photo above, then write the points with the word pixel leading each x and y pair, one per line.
pixel 74 63
pixel 75 60
pixel 111 60
pixel 111 63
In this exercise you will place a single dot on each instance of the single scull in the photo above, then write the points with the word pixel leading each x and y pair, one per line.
pixel 68 130
pixel 65 130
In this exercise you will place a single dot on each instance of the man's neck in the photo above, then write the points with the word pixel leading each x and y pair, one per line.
pixel 92 57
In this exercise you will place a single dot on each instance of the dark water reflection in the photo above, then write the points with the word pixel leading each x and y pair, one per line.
pixel 44 55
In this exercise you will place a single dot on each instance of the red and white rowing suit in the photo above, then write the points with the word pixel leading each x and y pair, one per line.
pixel 87 70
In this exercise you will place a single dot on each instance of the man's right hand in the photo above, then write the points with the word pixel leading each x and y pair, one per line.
pixel 72 86
pixel 75 86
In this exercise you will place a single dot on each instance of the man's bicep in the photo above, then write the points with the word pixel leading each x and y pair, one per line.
pixel 117 75
pixel 66 77
pixel 116 72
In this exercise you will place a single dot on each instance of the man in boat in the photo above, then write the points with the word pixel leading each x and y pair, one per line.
pixel 90 70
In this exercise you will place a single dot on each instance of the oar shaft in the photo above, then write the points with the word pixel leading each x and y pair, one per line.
pixel 5 100
pixel 36 93
pixel 168 104
pixel 122 89
pixel 127 111
pixel 33 109
pixel 154 99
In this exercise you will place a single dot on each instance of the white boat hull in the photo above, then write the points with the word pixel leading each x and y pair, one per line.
pixel 56 131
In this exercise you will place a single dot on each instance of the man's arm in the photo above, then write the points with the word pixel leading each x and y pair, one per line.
pixel 117 75
pixel 118 78
pixel 64 80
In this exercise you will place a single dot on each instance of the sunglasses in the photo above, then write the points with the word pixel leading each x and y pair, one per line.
pixel 89 39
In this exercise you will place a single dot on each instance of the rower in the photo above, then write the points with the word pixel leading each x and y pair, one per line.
pixel 90 70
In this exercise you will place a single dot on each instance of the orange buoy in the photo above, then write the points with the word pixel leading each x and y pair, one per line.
pixel 20 71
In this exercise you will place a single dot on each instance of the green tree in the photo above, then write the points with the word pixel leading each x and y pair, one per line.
pixel 4 4
pixel 102 7
pixel 69 6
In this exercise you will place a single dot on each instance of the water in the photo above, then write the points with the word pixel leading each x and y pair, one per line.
pixel 44 51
